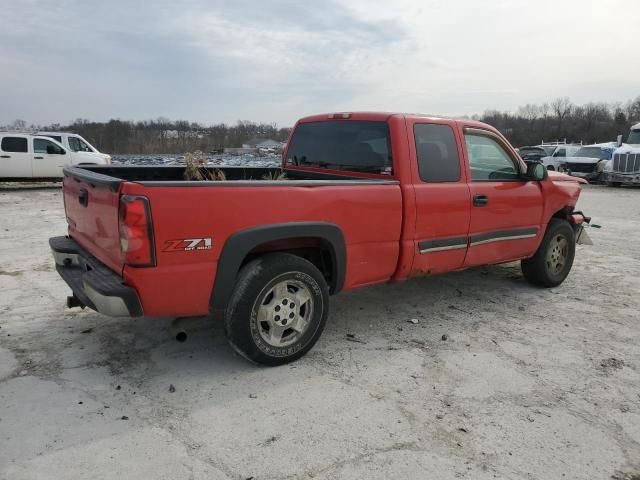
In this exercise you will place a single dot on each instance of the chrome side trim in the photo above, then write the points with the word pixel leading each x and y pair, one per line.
pixel 500 239
pixel 442 249
pixel 445 244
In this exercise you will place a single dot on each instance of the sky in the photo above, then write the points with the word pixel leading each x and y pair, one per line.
pixel 215 61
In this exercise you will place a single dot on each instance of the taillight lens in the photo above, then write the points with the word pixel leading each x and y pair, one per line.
pixel 136 231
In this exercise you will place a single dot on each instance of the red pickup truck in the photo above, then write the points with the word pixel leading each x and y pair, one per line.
pixel 365 198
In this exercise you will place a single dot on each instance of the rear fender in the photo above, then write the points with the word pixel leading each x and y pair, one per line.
pixel 240 244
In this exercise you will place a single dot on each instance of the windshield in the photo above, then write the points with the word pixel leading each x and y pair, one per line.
pixel 359 146
pixel 591 152
pixel 634 137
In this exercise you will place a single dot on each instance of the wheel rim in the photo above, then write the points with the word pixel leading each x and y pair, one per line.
pixel 284 312
pixel 557 254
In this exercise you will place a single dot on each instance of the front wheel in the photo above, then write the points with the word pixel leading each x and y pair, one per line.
pixel 278 309
pixel 553 261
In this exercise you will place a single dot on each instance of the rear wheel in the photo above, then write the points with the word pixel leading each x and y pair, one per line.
pixel 553 261
pixel 278 309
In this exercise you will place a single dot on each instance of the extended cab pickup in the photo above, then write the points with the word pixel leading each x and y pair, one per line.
pixel 366 198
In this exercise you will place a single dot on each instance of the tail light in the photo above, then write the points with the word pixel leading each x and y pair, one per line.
pixel 136 231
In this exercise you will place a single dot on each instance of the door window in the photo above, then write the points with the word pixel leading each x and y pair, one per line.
pixel 40 145
pixel 77 145
pixel 437 153
pixel 488 160
pixel 14 144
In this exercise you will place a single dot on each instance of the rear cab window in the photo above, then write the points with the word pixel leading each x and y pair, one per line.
pixel 353 145
pixel 437 153
pixel 14 144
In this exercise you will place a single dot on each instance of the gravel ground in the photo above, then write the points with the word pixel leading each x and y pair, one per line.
pixel 496 380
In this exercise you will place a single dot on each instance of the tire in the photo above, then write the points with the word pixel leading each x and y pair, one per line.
pixel 267 288
pixel 614 184
pixel 553 260
pixel 551 168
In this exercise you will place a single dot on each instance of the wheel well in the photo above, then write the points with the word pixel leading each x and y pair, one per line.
pixel 564 213
pixel 321 243
pixel 318 251
pixel 551 167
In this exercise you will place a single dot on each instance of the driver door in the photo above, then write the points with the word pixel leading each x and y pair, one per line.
pixel 48 158
pixel 506 211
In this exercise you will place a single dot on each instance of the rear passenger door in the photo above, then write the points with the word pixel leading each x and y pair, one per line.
pixel 442 197
pixel 506 210
pixel 15 159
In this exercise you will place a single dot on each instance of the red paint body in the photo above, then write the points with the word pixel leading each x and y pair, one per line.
pixel 382 224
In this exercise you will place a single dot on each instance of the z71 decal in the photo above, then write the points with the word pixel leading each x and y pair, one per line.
pixel 188 245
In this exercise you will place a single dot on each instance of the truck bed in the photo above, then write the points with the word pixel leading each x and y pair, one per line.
pixel 367 212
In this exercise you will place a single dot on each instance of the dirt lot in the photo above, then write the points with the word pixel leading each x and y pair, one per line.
pixel 496 380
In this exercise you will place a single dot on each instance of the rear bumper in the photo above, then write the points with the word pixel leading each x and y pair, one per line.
pixel 92 283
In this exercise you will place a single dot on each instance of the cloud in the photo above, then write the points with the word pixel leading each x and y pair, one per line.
pixel 275 61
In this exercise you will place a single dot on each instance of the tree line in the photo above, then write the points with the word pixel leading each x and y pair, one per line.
pixel 562 120
pixel 162 135
pixel 529 125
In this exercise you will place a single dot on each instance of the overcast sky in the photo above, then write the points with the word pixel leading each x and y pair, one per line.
pixel 222 61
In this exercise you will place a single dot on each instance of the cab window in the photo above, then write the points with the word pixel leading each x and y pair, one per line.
pixel 437 153
pixel 488 160
pixel 14 144
pixel 40 145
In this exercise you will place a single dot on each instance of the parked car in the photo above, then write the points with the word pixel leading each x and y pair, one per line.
pixel 560 152
pixel 367 198
pixel 25 156
pixel 624 167
pixel 588 161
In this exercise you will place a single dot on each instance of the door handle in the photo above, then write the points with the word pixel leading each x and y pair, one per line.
pixel 5 156
pixel 480 200
pixel 39 158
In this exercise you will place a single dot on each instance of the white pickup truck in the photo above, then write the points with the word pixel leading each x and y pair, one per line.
pixel 43 155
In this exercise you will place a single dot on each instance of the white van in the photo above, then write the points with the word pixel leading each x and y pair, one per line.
pixel 25 156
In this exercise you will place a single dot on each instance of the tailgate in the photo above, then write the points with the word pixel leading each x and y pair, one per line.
pixel 91 203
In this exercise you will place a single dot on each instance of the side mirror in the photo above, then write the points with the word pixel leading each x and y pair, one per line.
pixel 619 141
pixel 537 171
